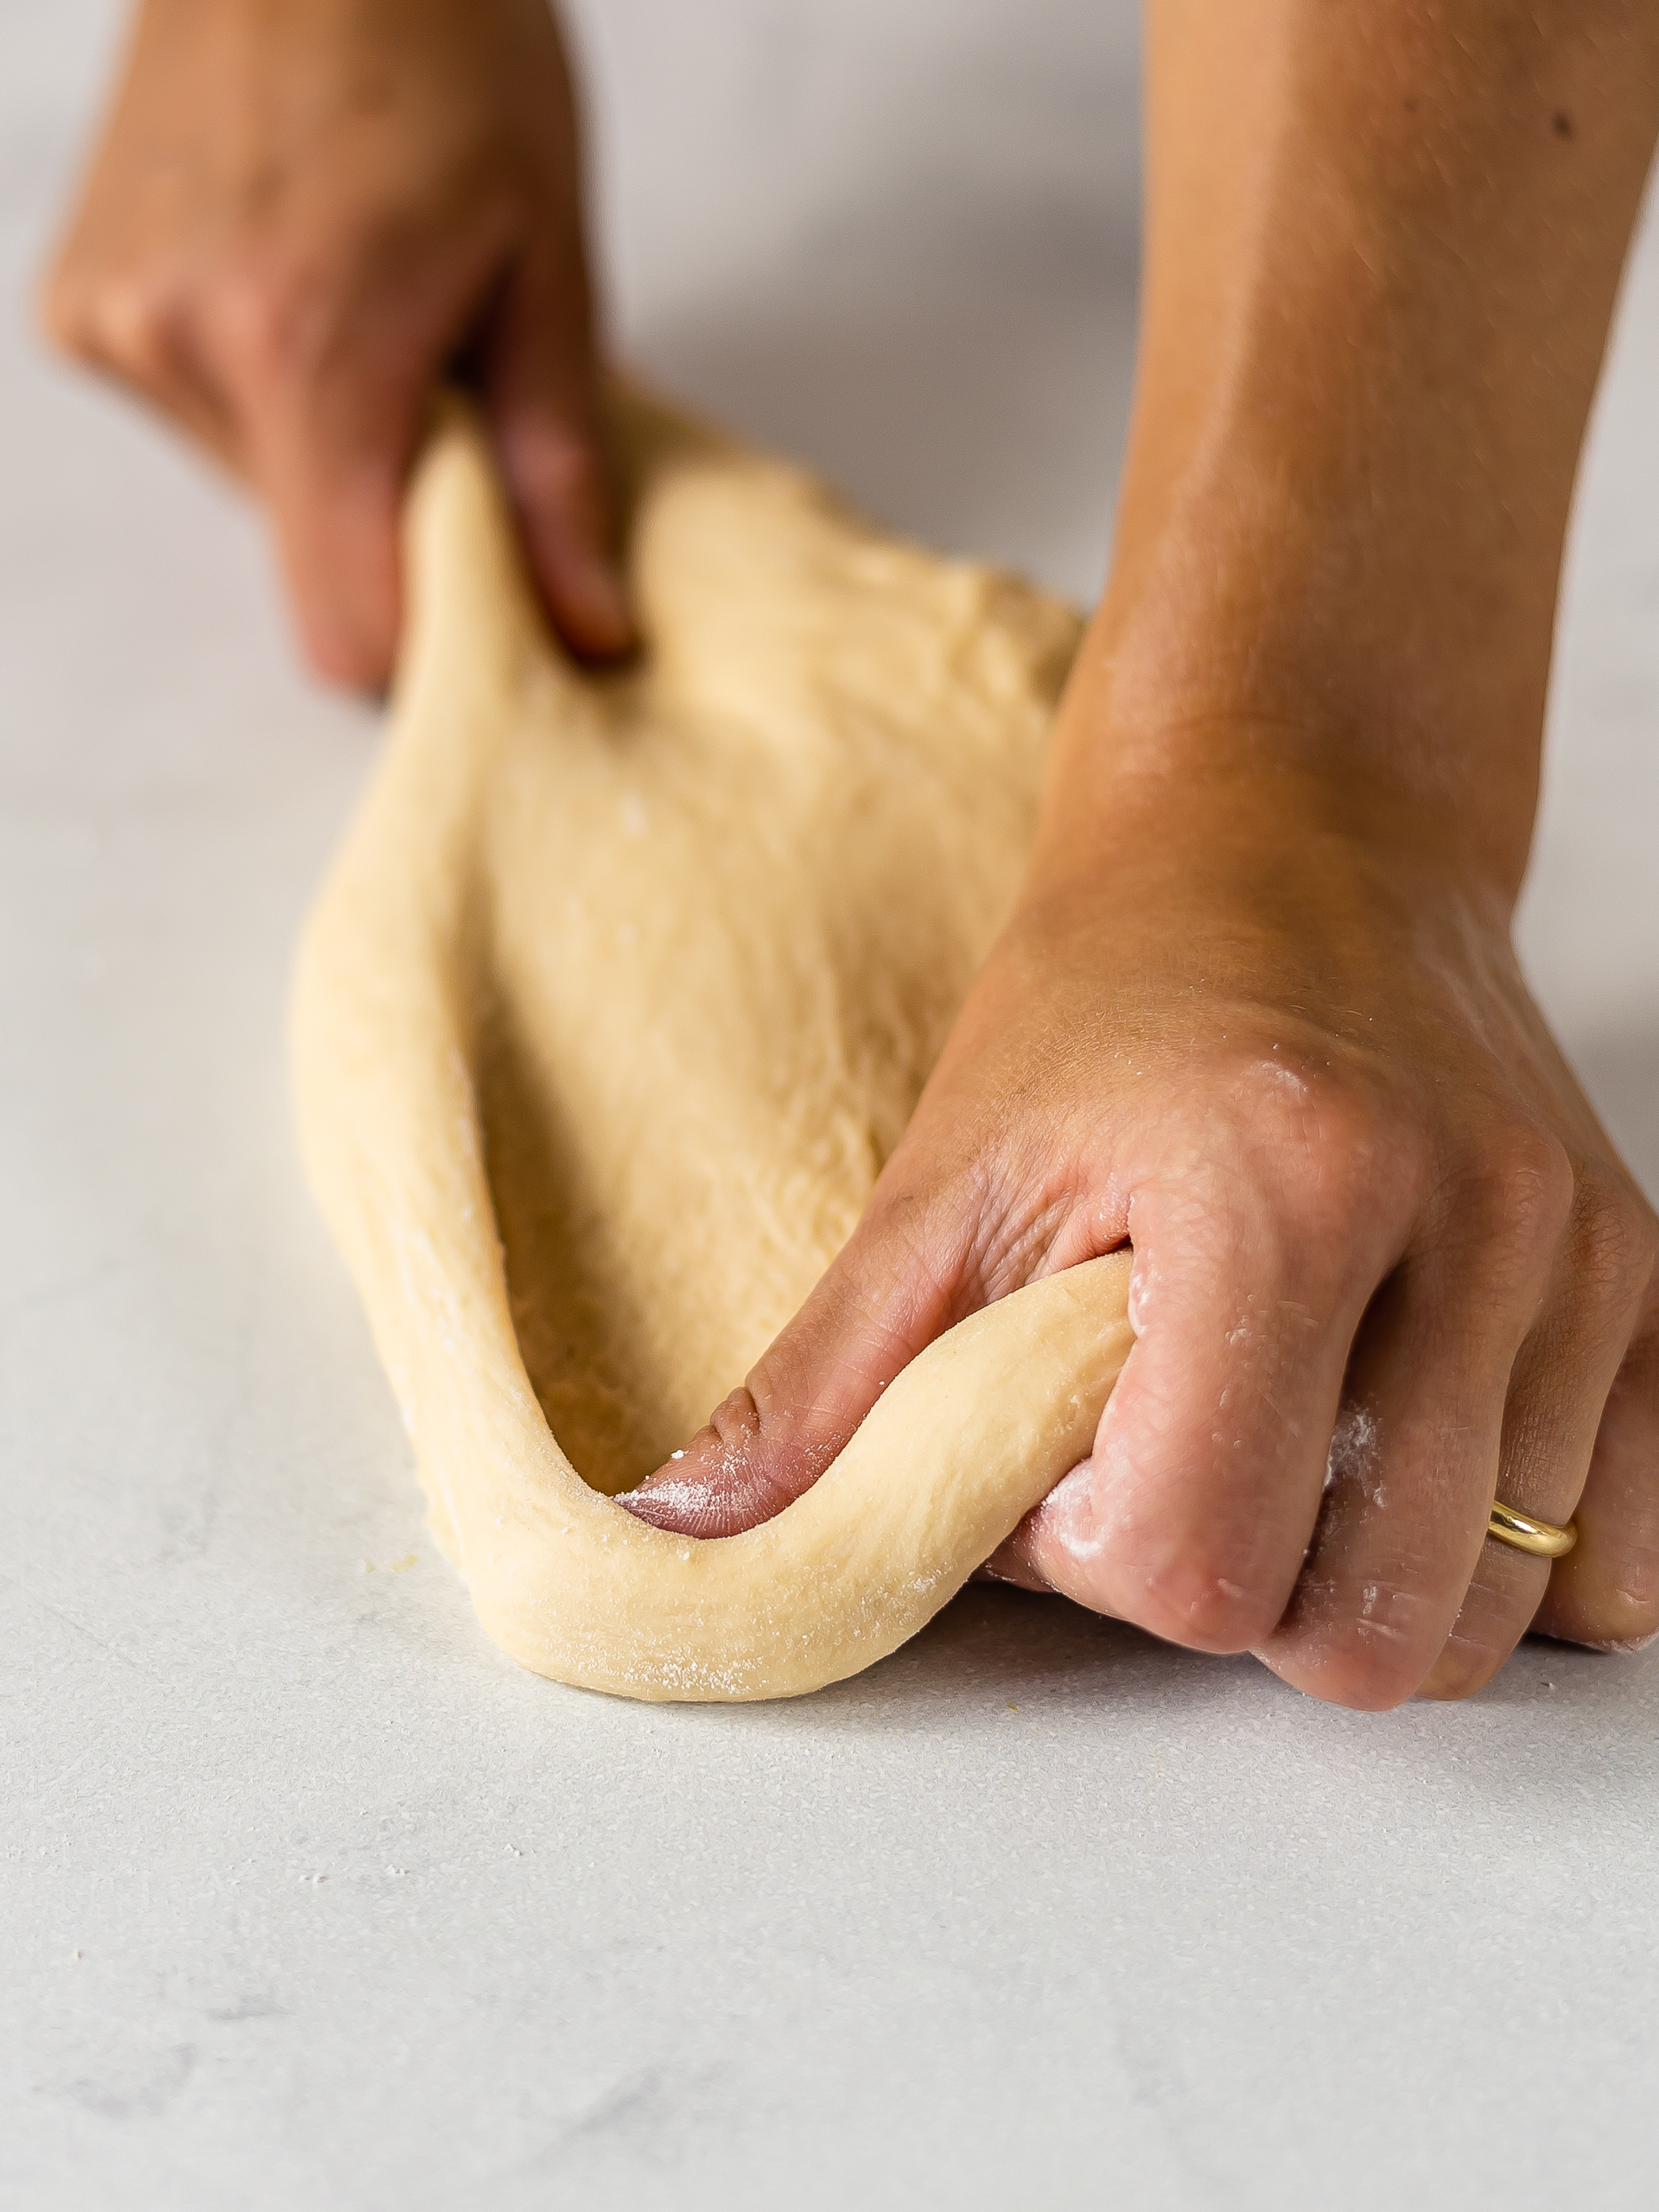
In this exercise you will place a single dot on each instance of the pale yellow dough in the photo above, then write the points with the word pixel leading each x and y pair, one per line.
pixel 620 991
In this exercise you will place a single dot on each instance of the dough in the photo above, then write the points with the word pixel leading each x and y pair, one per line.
pixel 619 992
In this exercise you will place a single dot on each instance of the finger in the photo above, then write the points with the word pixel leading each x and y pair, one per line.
pixel 540 380
pixel 889 1293
pixel 1605 1591
pixel 1559 1399
pixel 329 361
pixel 331 441
pixel 1057 1547
pixel 1412 1469
pixel 136 326
pixel 1209 1463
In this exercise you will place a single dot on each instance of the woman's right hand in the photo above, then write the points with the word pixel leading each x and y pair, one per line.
pixel 301 216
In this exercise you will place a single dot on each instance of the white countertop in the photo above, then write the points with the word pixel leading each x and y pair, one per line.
pixel 308 1897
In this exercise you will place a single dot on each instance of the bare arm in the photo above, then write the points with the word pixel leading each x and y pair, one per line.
pixel 1259 1011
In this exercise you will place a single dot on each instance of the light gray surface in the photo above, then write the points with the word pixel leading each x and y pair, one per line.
pixel 309 1896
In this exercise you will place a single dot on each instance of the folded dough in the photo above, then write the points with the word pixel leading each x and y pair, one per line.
pixel 622 989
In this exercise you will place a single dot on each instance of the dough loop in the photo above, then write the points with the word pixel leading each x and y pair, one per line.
pixel 620 990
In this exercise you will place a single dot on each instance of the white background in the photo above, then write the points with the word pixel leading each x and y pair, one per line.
pixel 307 1896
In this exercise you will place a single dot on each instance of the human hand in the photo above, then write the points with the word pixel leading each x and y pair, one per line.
pixel 1258 1012
pixel 303 215
pixel 1386 1261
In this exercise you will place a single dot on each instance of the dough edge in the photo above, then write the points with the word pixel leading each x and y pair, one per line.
pixel 965 1440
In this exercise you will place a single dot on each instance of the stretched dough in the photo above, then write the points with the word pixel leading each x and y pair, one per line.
pixel 620 990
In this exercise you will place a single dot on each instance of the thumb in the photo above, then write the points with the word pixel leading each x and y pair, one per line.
pixel 879 1305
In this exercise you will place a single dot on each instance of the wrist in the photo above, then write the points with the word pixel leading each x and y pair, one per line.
pixel 1372 321
pixel 1208 782
pixel 1252 649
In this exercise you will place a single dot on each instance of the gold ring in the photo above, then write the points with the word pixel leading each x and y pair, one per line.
pixel 1541 1538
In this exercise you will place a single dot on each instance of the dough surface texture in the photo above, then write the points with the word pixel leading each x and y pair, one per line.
pixel 620 990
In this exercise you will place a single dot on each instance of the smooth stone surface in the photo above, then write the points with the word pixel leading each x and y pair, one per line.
pixel 306 1894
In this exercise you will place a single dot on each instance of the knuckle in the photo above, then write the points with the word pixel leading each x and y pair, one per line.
pixel 251 317
pixel 1523 1194
pixel 143 320
pixel 1368 1648
pixel 1501 1215
pixel 1206 1603
pixel 1616 1243
pixel 131 319
pixel 735 1422
pixel 267 317
pixel 1327 1146
pixel 556 464
pixel 61 309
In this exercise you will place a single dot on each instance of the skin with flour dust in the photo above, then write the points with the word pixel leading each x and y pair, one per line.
pixel 1258 1011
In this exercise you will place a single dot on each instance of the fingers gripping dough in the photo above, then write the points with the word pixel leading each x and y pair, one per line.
pixel 620 991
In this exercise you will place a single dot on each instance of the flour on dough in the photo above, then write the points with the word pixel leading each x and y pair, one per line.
pixel 622 989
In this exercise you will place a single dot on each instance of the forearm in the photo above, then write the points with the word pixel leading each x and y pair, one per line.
pixel 1384 246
